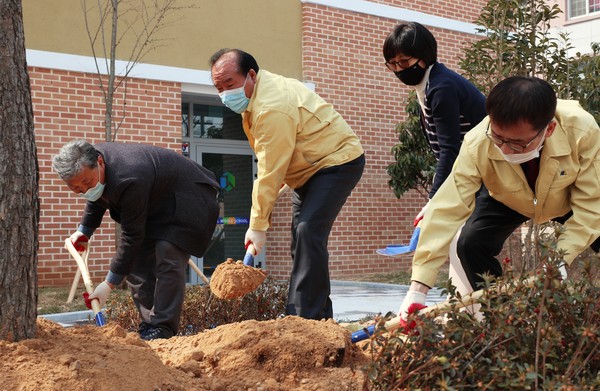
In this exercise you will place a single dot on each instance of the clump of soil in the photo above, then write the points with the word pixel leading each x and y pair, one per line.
pixel 283 354
pixel 232 279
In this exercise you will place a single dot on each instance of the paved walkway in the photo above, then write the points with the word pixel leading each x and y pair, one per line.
pixel 352 301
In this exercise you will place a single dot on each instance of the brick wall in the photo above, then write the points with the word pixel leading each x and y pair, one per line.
pixel 68 106
pixel 342 56
pixel 464 11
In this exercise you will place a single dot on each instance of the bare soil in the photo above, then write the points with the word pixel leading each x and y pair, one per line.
pixel 283 354
pixel 232 279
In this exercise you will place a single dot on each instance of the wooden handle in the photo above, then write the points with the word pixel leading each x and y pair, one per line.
pixel 198 271
pixel 86 254
pixel 466 300
pixel 74 286
pixel 87 281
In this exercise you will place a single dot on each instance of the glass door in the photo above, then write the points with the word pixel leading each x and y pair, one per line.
pixel 234 166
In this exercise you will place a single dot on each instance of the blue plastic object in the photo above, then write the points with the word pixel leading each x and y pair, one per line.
pixel 399 249
pixel 249 259
pixel 363 334
pixel 100 319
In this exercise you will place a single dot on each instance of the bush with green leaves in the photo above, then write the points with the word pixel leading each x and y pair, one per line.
pixel 414 162
pixel 202 310
pixel 515 38
pixel 543 335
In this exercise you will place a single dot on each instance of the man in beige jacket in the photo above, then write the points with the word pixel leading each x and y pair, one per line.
pixel 301 141
pixel 538 159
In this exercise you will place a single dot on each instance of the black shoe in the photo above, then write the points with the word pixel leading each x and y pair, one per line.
pixel 153 332
pixel 143 327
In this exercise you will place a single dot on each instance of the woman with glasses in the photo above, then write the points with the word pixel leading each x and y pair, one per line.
pixel 450 105
pixel 538 159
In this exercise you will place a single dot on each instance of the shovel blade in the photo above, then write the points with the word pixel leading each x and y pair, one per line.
pixel 396 250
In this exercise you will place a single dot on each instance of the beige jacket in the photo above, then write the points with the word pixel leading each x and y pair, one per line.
pixel 569 179
pixel 294 134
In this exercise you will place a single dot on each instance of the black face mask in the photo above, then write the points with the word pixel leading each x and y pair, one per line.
pixel 411 76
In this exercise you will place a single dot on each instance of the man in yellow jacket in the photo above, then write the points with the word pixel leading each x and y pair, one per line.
pixel 302 141
pixel 538 159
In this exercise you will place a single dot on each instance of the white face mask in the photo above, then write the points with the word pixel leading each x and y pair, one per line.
pixel 518 158
pixel 93 194
pixel 236 99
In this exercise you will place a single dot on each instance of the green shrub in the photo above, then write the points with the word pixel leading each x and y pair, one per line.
pixel 540 337
pixel 203 310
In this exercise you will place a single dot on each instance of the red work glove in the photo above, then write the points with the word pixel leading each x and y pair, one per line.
pixel 86 299
pixel 407 326
pixel 257 238
pixel 100 293
pixel 420 215
pixel 79 241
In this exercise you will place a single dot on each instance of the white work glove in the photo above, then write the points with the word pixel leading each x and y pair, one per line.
pixel 412 297
pixel 257 238
pixel 421 214
pixel 79 241
pixel 101 293
pixel 563 271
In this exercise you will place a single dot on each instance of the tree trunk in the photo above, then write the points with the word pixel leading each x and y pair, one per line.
pixel 19 202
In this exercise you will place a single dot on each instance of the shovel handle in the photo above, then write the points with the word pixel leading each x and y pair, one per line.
pixel 249 257
pixel 447 305
pixel 198 271
pixel 87 281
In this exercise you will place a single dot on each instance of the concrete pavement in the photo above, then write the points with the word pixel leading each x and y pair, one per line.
pixel 352 301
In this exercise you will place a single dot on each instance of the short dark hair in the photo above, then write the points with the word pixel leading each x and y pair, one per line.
pixel 245 60
pixel 412 39
pixel 521 98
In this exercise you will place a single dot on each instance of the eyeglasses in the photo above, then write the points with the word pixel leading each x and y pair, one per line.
pixel 512 145
pixel 393 65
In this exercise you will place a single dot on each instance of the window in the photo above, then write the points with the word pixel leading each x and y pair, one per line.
pixel 204 121
pixel 583 7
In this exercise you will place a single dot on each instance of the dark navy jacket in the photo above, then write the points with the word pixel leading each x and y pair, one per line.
pixel 453 106
pixel 155 194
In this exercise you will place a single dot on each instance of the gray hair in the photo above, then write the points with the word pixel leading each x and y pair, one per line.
pixel 72 157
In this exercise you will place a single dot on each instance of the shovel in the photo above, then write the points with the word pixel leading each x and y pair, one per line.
pixel 395 250
pixel 467 300
pixel 87 281
pixel 85 256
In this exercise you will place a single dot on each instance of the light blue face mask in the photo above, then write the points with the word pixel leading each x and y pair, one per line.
pixel 236 98
pixel 95 192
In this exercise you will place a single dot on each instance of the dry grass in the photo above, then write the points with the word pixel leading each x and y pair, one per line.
pixel 53 300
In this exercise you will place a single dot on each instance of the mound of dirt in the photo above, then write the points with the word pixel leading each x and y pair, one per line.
pixel 232 279
pixel 282 354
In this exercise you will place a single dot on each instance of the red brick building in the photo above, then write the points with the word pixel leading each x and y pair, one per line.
pixel 332 45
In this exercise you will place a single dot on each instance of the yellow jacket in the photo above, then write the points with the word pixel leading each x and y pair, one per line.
pixel 569 179
pixel 294 134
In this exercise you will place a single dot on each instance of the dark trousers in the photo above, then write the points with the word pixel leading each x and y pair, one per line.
pixel 157 283
pixel 484 234
pixel 315 207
